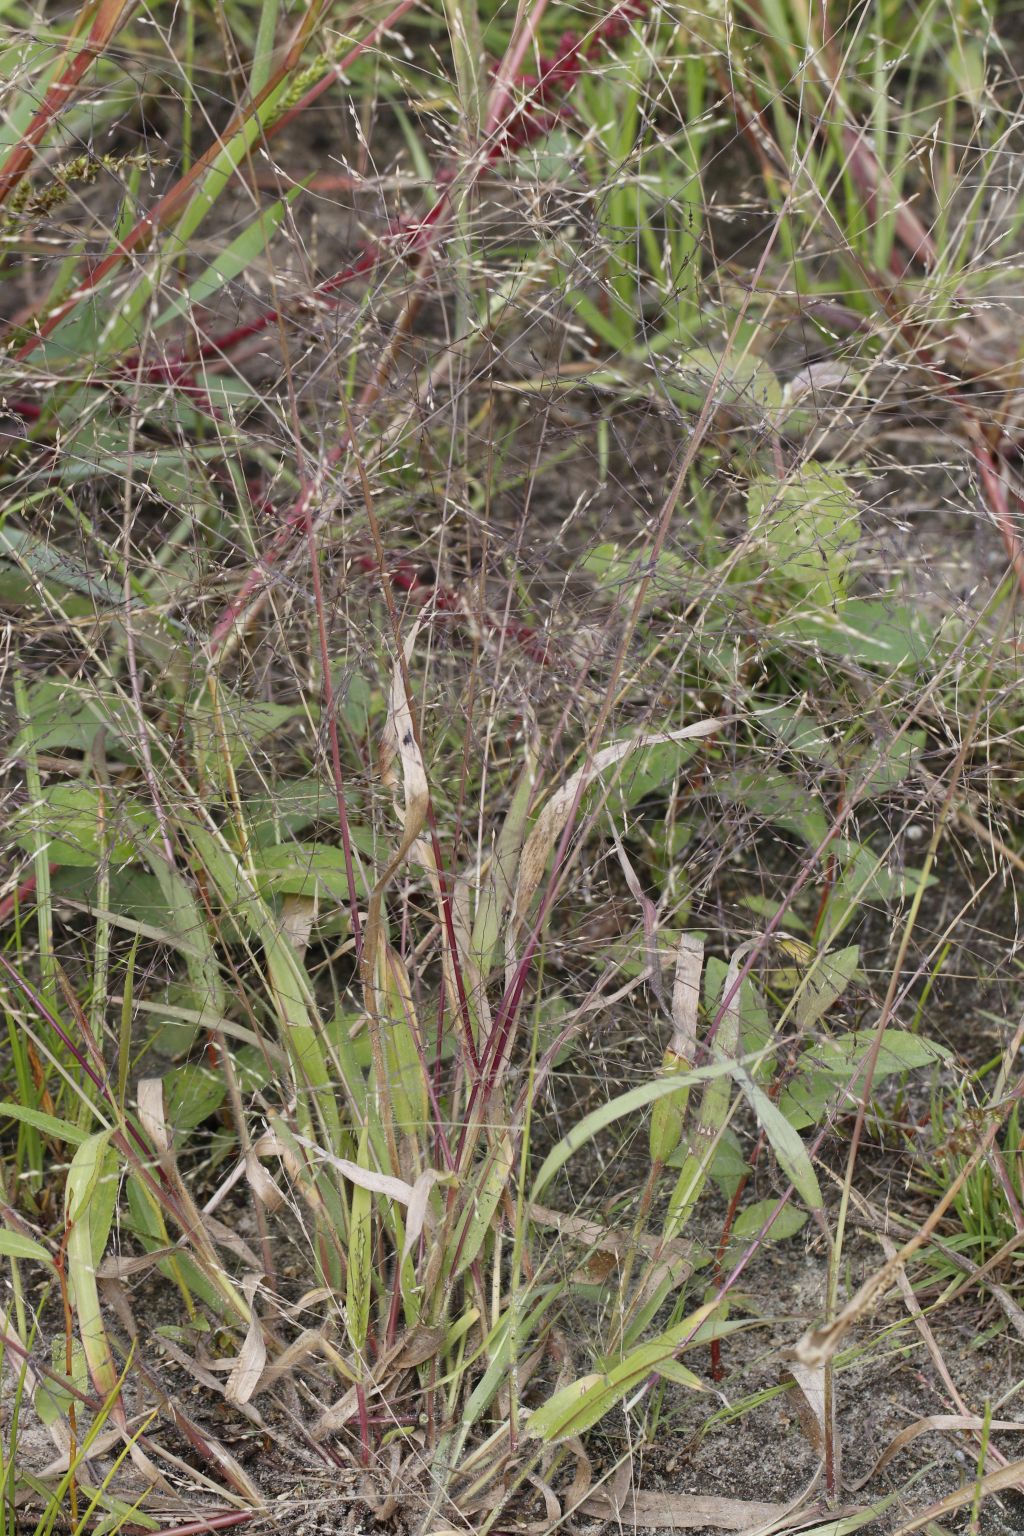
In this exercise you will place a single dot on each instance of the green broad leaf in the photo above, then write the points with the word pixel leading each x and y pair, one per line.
pixel 900 1051
pixel 824 983
pixel 231 261
pixel 867 879
pixel 68 818
pixel 513 1325
pixel 52 1398
pixel 482 1200
pixel 747 383
pixel 826 1067
pixel 810 527
pixel 784 1140
pixel 779 799
pixel 298 1016
pixel 360 703
pixel 629 958
pixel 147 1227
pixel 890 768
pixel 582 1404
pixel 795 731
pixel 50 1125
pixel 233 398
pixel 91 1191
pixel 808 1098
pixel 15 1245
pixel 549 160
pixel 288 808
pixel 252 1068
pixel 122 1513
pixel 135 896
pixel 62 715
pixel 164 471
pixel 238 728
pixel 192 1094
pixel 89 1199
pixel 45 562
pixel 869 631
pixel 755 1022
pixel 753 1217
pixel 79 334
pixel 653 771
pixel 359 1251
pixel 728 1163
pixel 766 907
pixel 618 572
pixel 305 869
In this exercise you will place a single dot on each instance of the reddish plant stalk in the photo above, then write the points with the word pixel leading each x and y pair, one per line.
pixel 170 206
pixel 503 133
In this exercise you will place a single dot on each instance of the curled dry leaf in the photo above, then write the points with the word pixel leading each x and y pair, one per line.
pixel 819 1345
pixel 418 1212
pixel 252 1357
pixel 935 1423
pixel 398 742
pixel 412 1349
pixel 152 1114
pixel 553 818
pixel 676 1252
pixel 411 1195
pixel 972 1493
pixel 312 1341
pixel 262 1184
pixel 806 1385
pixel 298 914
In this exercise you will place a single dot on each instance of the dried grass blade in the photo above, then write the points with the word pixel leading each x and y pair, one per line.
pixel 398 742
pixel 640 1508
pixel 553 818
pixel 252 1357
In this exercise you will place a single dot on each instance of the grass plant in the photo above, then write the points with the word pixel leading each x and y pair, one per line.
pixel 510 560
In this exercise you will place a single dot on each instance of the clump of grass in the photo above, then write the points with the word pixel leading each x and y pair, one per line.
pixel 478 758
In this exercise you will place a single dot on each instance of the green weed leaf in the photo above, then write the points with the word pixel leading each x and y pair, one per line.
pixel 810 527
pixel 585 1402
pixel 785 1142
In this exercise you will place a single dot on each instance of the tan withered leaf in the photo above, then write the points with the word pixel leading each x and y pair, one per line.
pixel 252 1357
pixel 935 1423
pixel 551 822
pixel 683 1511
pixel 686 995
pixel 398 742
pixel 262 1184
pixel 632 1508
pixel 1005 1478
pixel 152 1114
pixel 418 1212
pixel 298 913
pixel 419 1344
pixel 377 1183
pixel 607 1240
pixel 807 1389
